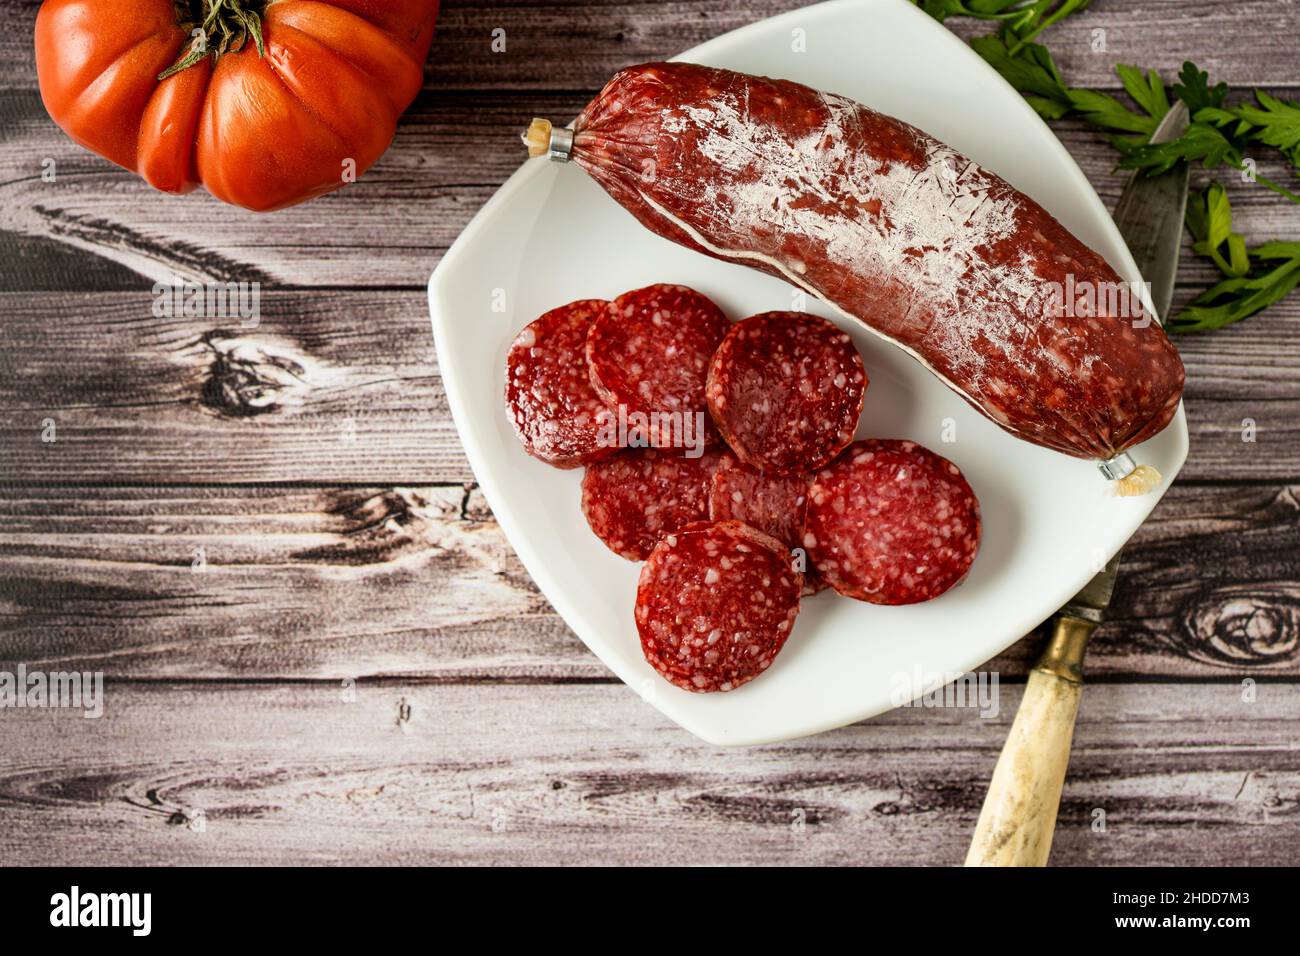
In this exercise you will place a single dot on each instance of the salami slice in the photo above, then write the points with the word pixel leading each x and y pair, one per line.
pixel 715 604
pixel 635 498
pixel 774 504
pixel 555 411
pixel 890 522
pixel 786 389
pixel 649 353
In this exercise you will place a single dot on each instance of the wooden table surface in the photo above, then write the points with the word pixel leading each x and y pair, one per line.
pixel 320 647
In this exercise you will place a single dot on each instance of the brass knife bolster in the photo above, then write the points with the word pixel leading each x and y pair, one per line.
pixel 1063 655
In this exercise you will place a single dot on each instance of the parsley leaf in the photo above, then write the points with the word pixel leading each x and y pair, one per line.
pixel 979 9
pixel 1104 110
pixel 1256 278
pixel 1209 220
pixel 1036 18
pixel 1238 298
pixel 1147 91
pixel 1218 135
pixel 1034 74
pixel 1021 14
pixel 1276 122
pixel 1195 90
pixel 1202 142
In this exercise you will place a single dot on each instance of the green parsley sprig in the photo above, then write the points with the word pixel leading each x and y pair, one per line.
pixel 1254 278
pixel 1219 135
pixel 1022 19
pixel 1034 74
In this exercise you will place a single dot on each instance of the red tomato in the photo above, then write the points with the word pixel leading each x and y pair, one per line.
pixel 264 128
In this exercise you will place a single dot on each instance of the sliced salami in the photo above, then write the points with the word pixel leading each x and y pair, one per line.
pixel 557 414
pixel 715 604
pixel 786 389
pixel 891 522
pixel 774 504
pixel 813 582
pixel 635 498
pixel 649 353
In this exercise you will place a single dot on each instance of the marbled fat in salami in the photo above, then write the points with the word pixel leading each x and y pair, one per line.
pixel 715 604
pixel 650 354
pixel 896 229
pixel 786 389
pixel 891 522
pixel 635 498
pixel 553 407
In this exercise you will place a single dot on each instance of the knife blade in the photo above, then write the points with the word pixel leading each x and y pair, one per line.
pixel 1150 213
pixel 1149 216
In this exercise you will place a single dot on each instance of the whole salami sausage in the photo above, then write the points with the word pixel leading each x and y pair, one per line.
pixel 892 227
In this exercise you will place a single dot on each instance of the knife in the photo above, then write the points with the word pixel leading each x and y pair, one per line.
pixel 1017 822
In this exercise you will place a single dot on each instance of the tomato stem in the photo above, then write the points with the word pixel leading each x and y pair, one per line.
pixel 224 28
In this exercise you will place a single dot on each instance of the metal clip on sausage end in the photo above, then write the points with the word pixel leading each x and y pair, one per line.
pixel 553 142
pixel 1131 479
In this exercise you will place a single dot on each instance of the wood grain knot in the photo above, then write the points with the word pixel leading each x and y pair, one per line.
pixel 247 378
pixel 916 799
pixel 1255 625
pixel 380 528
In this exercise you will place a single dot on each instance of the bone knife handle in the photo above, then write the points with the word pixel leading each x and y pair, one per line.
pixel 1019 815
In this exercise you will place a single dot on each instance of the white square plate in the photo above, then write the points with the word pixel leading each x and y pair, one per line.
pixel 551 235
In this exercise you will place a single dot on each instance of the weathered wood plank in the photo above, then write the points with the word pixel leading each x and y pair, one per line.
pixel 1213 576
pixel 327 387
pixel 258 582
pixel 1246 43
pixel 392 226
pixel 388 229
pixel 578 45
pixel 319 582
pixel 343 387
pixel 582 774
